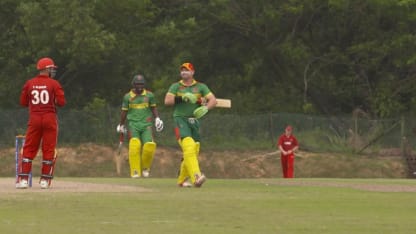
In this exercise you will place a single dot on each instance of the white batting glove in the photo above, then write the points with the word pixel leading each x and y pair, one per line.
pixel 121 129
pixel 158 124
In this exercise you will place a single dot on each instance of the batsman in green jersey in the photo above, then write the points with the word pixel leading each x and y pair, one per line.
pixel 139 108
pixel 186 95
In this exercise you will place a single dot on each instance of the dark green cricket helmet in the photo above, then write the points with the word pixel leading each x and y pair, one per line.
pixel 138 79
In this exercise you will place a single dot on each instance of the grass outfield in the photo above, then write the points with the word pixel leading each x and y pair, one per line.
pixel 123 205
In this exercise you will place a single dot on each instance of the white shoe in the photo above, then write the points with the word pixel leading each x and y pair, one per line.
pixel 135 175
pixel 22 184
pixel 44 184
pixel 185 184
pixel 146 173
pixel 200 179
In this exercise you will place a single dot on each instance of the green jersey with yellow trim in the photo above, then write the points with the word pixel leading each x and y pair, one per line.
pixel 138 107
pixel 185 109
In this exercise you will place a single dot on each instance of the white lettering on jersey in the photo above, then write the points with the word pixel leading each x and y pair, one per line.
pixel 40 96
pixel 39 86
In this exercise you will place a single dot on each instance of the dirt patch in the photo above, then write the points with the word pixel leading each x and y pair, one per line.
pixel 7 185
pixel 93 160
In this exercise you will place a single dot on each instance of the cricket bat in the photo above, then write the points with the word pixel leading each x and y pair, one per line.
pixel 118 156
pixel 223 103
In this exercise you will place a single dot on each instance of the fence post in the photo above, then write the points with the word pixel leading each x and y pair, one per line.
pixel 271 128
pixel 403 139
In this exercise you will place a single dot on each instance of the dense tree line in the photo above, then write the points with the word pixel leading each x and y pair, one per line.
pixel 306 56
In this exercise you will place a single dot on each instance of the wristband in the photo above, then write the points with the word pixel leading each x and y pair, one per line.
pixel 178 99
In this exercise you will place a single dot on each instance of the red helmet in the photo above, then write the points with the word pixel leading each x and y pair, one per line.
pixel 45 63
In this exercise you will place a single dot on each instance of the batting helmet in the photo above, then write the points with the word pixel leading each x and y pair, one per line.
pixel 188 66
pixel 138 79
pixel 45 63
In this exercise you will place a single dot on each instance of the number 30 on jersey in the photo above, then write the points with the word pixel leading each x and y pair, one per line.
pixel 40 96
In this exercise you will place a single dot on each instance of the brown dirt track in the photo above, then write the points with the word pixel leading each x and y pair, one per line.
pixel 92 160
pixel 7 185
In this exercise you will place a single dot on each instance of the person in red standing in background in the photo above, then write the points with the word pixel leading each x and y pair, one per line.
pixel 287 144
pixel 41 95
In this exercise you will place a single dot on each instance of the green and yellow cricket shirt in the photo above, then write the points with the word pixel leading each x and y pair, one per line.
pixel 138 108
pixel 185 109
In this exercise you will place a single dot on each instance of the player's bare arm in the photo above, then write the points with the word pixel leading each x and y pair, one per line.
pixel 154 112
pixel 169 99
pixel 211 101
pixel 123 116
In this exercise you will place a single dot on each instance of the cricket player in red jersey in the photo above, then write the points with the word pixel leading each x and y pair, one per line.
pixel 287 144
pixel 41 95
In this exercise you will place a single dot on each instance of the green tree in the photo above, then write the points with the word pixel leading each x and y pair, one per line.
pixel 312 56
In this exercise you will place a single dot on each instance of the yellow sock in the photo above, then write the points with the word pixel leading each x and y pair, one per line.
pixel 189 157
pixel 134 156
pixel 148 153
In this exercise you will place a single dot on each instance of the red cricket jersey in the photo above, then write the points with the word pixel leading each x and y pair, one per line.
pixel 41 94
pixel 287 142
